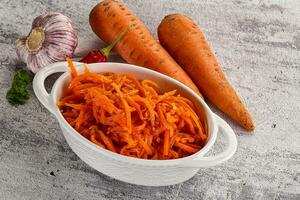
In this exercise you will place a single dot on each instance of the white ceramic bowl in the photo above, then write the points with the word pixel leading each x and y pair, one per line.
pixel 133 170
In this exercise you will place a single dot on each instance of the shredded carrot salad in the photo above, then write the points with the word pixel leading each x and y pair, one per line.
pixel 130 117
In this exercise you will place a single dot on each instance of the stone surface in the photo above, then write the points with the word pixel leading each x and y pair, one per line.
pixel 258 44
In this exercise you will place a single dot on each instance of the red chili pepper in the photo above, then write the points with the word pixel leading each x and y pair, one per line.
pixel 94 56
pixel 102 55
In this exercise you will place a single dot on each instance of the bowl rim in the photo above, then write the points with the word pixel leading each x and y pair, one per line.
pixel 212 128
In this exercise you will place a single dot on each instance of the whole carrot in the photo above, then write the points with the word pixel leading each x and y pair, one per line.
pixel 138 46
pixel 186 43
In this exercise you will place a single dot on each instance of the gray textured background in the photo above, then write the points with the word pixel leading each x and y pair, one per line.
pixel 258 45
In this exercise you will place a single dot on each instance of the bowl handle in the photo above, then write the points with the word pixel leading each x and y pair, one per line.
pixel 39 80
pixel 220 157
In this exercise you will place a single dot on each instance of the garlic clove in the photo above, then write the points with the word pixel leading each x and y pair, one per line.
pixel 51 39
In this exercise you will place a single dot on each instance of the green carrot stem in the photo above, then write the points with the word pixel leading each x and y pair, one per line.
pixel 105 51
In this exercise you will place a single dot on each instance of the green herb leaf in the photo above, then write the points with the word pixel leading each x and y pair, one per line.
pixel 18 93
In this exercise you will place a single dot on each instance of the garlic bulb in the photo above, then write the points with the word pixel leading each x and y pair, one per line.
pixel 51 39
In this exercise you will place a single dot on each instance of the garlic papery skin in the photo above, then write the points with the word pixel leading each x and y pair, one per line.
pixel 51 39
